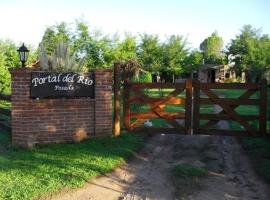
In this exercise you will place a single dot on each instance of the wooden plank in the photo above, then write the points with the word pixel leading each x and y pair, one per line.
pixel 209 124
pixel 5 97
pixel 137 123
pixel 263 107
pixel 126 105
pixel 188 106
pixel 196 106
pixel 246 94
pixel 228 110
pixel 174 123
pixel 152 130
pixel 5 111
pixel 157 85
pixel 156 108
pixel 231 101
pixel 117 100
pixel 229 85
pixel 149 115
pixel 226 132
pixel 171 100
pixel 225 117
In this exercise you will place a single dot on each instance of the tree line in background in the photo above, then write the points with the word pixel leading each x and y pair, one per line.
pixel 250 51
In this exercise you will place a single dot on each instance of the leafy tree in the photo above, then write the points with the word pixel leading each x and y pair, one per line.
pixel 9 59
pixel 252 53
pixel 174 53
pixel 212 49
pixel 55 34
pixel 193 60
pixel 126 49
pixel 150 53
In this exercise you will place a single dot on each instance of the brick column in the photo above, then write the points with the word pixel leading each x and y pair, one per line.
pixel 103 102
pixel 22 134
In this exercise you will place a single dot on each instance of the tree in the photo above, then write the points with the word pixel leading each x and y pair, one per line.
pixel 212 49
pixel 193 61
pixel 174 53
pixel 55 34
pixel 9 59
pixel 150 53
pixel 126 49
pixel 252 53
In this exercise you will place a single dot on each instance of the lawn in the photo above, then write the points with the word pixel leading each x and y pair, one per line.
pixel 29 174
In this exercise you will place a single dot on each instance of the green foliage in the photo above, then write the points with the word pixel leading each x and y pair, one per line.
pixel 150 53
pixel 212 49
pixel 174 53
pixel 253 50
pixel 193 61
pixel 126 50
pixel 143 78
pixel 29 174
pixel 54 34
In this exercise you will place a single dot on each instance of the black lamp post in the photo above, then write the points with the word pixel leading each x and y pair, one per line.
pixel 23 54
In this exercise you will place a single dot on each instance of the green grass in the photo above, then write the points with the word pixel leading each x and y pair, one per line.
pixel 29 174
pixel 187 171
pixel 5 104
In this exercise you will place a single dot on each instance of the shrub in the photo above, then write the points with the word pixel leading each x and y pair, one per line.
pixel 145 77
pixel 61 60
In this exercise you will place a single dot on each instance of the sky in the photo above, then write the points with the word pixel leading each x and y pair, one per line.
pixel 26 20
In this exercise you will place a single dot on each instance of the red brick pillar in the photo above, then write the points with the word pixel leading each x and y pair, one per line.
pixel 103 102
pixel 22 135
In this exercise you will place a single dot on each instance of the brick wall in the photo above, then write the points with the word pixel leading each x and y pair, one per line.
pixel 59 120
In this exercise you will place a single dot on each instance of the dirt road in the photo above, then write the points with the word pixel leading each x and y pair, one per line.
pixel 149 174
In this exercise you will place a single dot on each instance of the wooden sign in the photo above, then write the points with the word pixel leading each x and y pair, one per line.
pixel 59 85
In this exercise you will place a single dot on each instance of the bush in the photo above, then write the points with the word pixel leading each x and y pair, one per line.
pixel 61 60
pixel 146 77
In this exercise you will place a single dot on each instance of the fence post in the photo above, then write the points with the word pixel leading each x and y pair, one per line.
pixel 188 107
pixel 117 100
pixel 126 105
pixel 196 106
pixel 263 107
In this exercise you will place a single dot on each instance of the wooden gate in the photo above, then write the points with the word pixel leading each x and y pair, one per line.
pixel 138 94
pixel 196 96
pixel 249 95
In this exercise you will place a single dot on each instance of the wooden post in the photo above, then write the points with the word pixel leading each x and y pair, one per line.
pixel 126 105
pixel 196 106
pixel 117 100
pixel 263 107
pixel 188 106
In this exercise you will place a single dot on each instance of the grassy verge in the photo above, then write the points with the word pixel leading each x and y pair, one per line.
pixel 29 174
